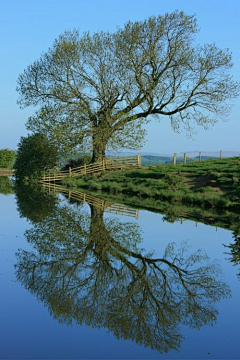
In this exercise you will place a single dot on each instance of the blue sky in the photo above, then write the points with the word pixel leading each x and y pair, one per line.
pixel 29 27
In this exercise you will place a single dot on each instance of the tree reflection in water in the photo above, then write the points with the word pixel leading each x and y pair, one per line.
pixel 235 250
pixel 89 269
pixel 6 185
pixel 33 202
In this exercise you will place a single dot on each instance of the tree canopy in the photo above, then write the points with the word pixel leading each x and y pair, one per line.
pixel 34 155
pixel 96 91
pixel 7 158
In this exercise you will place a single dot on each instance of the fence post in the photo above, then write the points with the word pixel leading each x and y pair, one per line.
pixel 70 172
pixel 200 156
pixel 103 164
pixel 139 160
pixel 174 159
pixel 85 169
pixel 184 158
pixel 137 213
pixel 220 154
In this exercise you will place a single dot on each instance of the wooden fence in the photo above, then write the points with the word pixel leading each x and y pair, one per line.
pixel 113 163
pixel 6 172
pixel 104 205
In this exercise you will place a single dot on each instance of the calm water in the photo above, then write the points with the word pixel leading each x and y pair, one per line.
pixel 80 282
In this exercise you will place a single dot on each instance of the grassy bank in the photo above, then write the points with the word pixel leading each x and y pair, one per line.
pixel 208 184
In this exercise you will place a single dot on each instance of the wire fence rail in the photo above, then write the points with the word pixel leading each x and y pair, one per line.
pixel 200 157
pixel 104 205
pixel 107 164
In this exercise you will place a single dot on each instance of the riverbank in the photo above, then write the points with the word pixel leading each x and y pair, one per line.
pixel 209 184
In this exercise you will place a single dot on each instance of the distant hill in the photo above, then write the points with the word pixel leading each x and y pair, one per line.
pixel 191 154
pixel 211 154
pixel 155 160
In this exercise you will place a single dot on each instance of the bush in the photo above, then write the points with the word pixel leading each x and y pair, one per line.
pixel 7 158
pixel 34 155
pixel 173 181
pixel 72 163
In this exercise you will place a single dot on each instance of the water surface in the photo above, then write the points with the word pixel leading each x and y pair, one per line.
pixel 78 281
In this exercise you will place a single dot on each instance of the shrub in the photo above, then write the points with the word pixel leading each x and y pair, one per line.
pixel 34 155
pixel 7 158
pixel 173 181
pixel 72 163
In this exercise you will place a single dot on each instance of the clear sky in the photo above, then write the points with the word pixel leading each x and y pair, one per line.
pixel 28 28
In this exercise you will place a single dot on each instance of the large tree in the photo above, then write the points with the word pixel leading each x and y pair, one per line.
pixel 99 89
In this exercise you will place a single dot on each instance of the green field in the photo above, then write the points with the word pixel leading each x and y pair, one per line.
pixel 209 184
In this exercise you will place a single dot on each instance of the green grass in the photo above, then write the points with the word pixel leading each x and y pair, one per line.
pixel 209 184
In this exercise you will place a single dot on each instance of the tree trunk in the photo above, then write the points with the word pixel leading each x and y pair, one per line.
pixel 99 150
pixel 102 132
pixel 99 235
